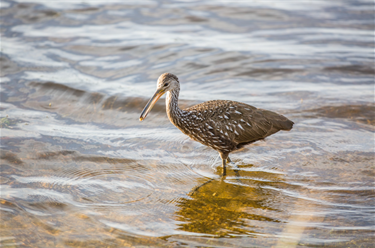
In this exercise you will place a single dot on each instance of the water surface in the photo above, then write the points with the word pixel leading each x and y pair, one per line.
pixel 78 169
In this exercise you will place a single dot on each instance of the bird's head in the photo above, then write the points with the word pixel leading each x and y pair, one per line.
pixel 166 82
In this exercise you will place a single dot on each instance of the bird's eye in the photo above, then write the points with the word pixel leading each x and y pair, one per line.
pixel 166 84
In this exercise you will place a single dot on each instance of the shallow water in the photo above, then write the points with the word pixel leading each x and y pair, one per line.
pixel 78 169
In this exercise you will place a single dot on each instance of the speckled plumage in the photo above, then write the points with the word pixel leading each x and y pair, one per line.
pixel 220 124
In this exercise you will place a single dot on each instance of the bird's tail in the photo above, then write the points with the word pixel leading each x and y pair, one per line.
pixel 279 121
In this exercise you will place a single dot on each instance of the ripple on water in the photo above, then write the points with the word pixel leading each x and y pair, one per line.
pixel 84 188
pixel 78 169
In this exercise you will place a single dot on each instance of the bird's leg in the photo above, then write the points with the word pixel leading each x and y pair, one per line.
pixel 224 157
pixel 224 168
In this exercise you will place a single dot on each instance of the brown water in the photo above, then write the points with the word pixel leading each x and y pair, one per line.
pixel 78 169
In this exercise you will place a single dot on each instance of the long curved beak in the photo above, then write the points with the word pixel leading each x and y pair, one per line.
pixel 151 103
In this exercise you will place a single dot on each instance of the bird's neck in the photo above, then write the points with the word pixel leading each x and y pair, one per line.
pixel 173 111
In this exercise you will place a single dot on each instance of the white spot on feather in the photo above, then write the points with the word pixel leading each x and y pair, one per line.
pixel 238 112
pixel 239 125
pixel 236 132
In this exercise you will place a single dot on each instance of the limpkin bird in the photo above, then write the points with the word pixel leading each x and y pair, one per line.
pixel 222 125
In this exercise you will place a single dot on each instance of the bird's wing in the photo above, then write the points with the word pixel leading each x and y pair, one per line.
pixel 234 121
pixel 247 122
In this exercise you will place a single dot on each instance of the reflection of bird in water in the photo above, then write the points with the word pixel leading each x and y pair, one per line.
pixel 222 125
pixel 225 209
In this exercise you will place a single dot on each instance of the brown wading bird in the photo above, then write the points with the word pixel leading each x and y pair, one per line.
pixel 222 125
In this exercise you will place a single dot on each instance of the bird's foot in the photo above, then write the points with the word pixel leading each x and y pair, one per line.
pixel 233 165
pixel 235 169
pixel 224 171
